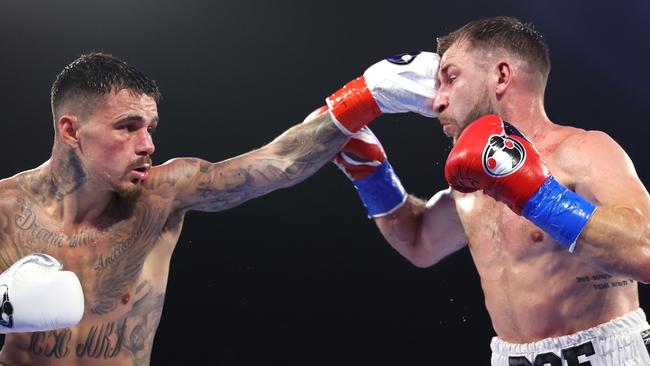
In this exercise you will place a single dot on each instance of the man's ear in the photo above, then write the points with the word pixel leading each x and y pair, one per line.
pixel 503 71
pixel 68 126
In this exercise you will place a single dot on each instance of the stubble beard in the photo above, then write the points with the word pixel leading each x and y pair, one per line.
pixel 132 190
pixel 483 106
pixel 128 191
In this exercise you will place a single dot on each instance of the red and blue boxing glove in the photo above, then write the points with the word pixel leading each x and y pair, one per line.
pixel 398 84
pixel 493 156
pixel 364 161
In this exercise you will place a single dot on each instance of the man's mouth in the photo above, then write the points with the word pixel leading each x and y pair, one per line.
pixel 141 172
pixel 142 167
pixel 447 127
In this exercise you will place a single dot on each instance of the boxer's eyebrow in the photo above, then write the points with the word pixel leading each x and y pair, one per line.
pixel 134 118
pixel 444 70
pixel 130 118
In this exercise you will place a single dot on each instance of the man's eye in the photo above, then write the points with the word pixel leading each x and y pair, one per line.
pixel 151 130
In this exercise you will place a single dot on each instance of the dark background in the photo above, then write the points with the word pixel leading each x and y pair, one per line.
pixel 301 276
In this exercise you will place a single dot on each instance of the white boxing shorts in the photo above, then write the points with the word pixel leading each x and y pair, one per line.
pixel 624 341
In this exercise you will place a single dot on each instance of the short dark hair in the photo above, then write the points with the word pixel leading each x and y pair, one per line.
pixel 502 32
pixel 97 74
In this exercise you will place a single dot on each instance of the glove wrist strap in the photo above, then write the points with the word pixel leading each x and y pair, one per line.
pixel 353 106
pixel 559 211
pixel 382 192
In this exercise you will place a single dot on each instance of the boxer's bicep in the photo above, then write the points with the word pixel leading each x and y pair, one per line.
pixel 196 184
pixel 616 239
pixel 442 232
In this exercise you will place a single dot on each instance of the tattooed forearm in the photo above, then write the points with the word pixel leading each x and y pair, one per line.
pixel 286 161
pixel 308 146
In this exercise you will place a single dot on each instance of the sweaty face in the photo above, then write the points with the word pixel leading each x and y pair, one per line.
pixel 115 144
pixel 463 91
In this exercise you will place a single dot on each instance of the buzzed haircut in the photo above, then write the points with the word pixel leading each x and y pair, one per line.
pixel 502 32
pixel 97 74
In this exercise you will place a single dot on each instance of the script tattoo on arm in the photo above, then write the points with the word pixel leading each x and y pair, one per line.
pixel 287 160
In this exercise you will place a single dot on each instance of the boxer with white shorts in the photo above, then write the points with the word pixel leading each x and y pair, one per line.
pixel 555 217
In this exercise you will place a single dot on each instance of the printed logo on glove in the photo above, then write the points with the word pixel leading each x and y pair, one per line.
pixel 6 309
pixel 403 58
pixel 503 156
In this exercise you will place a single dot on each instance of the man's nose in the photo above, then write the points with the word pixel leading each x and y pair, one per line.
pixel 145 144
pixel 440 102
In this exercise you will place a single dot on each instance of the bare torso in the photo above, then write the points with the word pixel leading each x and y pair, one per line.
pixel 122 263
pixel 533 287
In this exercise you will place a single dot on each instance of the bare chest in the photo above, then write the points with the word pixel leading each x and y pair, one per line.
pixel 112 260
pixel 496 233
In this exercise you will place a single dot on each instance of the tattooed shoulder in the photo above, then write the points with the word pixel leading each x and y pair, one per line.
pixel 173 173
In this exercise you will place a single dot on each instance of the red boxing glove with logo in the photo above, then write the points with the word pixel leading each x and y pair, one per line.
pixel 493 156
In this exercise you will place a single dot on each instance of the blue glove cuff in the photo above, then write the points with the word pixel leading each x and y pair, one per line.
pixel 559 211
pixel 381 192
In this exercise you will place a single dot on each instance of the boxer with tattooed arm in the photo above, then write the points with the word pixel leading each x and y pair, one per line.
pixel 101 208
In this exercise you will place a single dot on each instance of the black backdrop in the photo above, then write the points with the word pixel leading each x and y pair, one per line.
pixel 301 276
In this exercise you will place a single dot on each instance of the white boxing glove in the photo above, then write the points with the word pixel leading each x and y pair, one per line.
pixel 405 83
pixel 401 83
pixel 37 295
